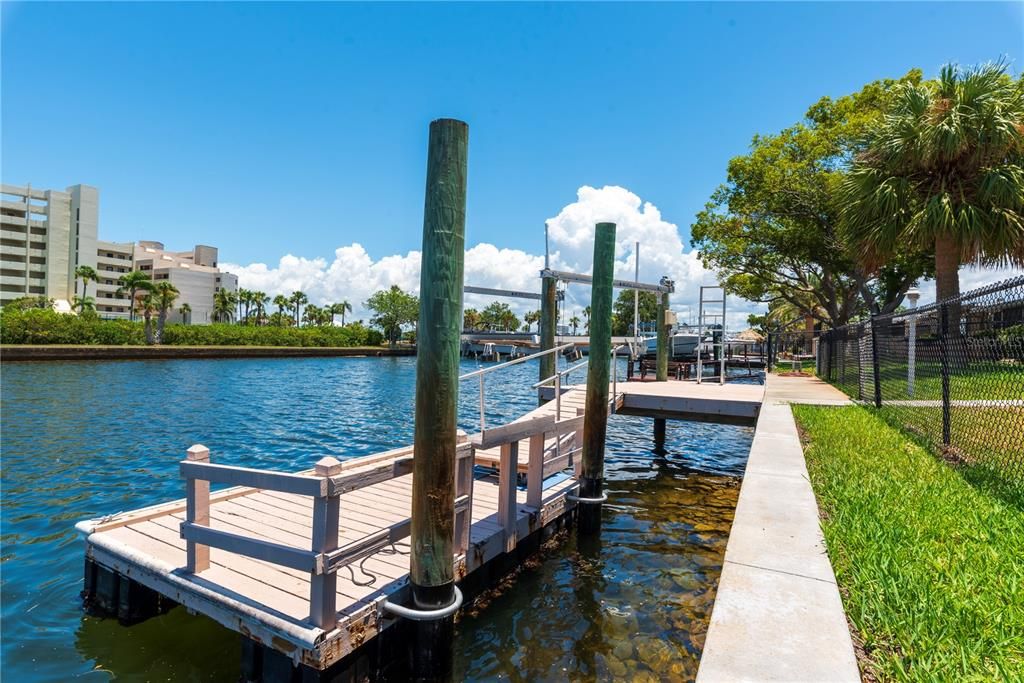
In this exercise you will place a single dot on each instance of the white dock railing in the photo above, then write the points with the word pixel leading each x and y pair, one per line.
pixel 326 485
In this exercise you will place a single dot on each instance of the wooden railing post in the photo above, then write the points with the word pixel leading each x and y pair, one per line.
pixel 463 487
pixel 323 607
pixel 535 471
pixel 197 510
pixel 508 469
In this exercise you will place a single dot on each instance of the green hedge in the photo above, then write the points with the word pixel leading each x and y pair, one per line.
pixel 44 326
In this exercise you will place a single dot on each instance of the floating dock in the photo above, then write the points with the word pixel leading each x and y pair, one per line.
pixel 274 560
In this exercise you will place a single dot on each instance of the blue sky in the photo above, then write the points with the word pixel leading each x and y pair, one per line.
pixel 269 129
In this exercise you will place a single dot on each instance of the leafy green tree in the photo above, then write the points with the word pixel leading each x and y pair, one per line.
pixel 86 274
pixel 27 302
pixel 392 309
pixel 530 318
pixel 186 313
pixel 498 316
pixel 471 320
pixel 772 231
pixel 944 170
pixel 133 282
pixel 224 305
pixel 622 310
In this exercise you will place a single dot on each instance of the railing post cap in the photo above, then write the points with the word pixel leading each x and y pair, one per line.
pixel 328 466
pixel 461 436
pixel 198 452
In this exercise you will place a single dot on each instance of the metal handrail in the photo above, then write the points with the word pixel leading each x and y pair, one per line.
pixel 483 371
pixel 521 359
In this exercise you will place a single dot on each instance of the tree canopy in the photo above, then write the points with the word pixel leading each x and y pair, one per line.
pixel 772 231
pixel 393 308
pixel 622 311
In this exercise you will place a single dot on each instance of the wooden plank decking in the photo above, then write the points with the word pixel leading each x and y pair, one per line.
pixel 270 603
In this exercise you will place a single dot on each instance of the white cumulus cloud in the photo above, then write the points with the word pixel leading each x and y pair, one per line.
pixel 354 275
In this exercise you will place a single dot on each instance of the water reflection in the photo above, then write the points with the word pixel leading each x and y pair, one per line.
pixel 81 440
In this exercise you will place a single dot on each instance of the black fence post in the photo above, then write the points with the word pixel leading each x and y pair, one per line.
pixel 874 363
pixel 768 354
pixel 944 363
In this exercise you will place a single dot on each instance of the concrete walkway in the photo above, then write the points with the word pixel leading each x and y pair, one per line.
pixel 778 615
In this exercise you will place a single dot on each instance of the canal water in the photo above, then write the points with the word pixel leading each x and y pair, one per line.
pixel 82 439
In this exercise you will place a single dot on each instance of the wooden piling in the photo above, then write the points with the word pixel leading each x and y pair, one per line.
pixel 595 424
pixel 437 384
pixel 659 435
pixel 663 341
pixel 548 321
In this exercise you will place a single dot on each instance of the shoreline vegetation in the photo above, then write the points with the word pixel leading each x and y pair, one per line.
pixel 927 556
pixel 100 352
pixel 40 327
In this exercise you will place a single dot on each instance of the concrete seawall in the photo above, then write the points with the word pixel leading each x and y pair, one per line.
pixel 26 352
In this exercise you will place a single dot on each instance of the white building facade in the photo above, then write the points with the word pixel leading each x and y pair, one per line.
pixel 45 235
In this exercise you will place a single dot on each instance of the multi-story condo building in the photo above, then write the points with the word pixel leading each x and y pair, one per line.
pixel 194 273
pixel 46 234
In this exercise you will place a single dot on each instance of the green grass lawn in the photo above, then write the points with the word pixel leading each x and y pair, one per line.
pixel 979 383
pixel 930 559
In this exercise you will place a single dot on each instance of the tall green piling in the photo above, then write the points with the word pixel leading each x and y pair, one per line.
pixel 548 321
pixel 437 384
pixel 595 423
pixel 663 341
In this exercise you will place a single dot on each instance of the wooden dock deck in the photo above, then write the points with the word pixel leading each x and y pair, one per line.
pixel 268 566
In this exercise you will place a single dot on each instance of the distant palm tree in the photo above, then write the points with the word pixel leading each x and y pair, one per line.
pixel 340 308
pixel 298 300
pixel 83 304
pixel 260 301
pixel 147 306
pixel 586 315
pixel 164 294
pixel 575 323
pixel 133 282
pixel 282 302
pixel 86 274
pixel 223 305
pixel 186 313
pixel 945 170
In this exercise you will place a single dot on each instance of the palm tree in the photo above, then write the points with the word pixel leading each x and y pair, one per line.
pixel 83 304
pixel 186 311
pixel 85 274
pixel 340 309
pixel 282 302
pixel 164 294
pixel 586 317
pixel 575 323
pixel 133 282
pixel 223 305
pixel 147 305
pixel 944 169
pixel 298 299
pixel 260 300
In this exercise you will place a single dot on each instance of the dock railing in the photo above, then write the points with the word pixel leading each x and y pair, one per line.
pixel 329 480
pixel 482 372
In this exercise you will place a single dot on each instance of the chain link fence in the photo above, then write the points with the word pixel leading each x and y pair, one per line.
pixel 951 372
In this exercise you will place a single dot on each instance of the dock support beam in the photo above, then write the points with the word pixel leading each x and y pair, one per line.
pixel 659 435
pixel 595 422
pixel 662 373
pixel 437 384
pixel 548 321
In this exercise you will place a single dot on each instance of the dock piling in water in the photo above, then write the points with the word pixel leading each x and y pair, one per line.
pixel 663 341
pixel 595 424
pixel 548 320
pixel 437 383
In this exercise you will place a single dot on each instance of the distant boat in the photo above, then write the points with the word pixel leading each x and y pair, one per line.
pixel 682 346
